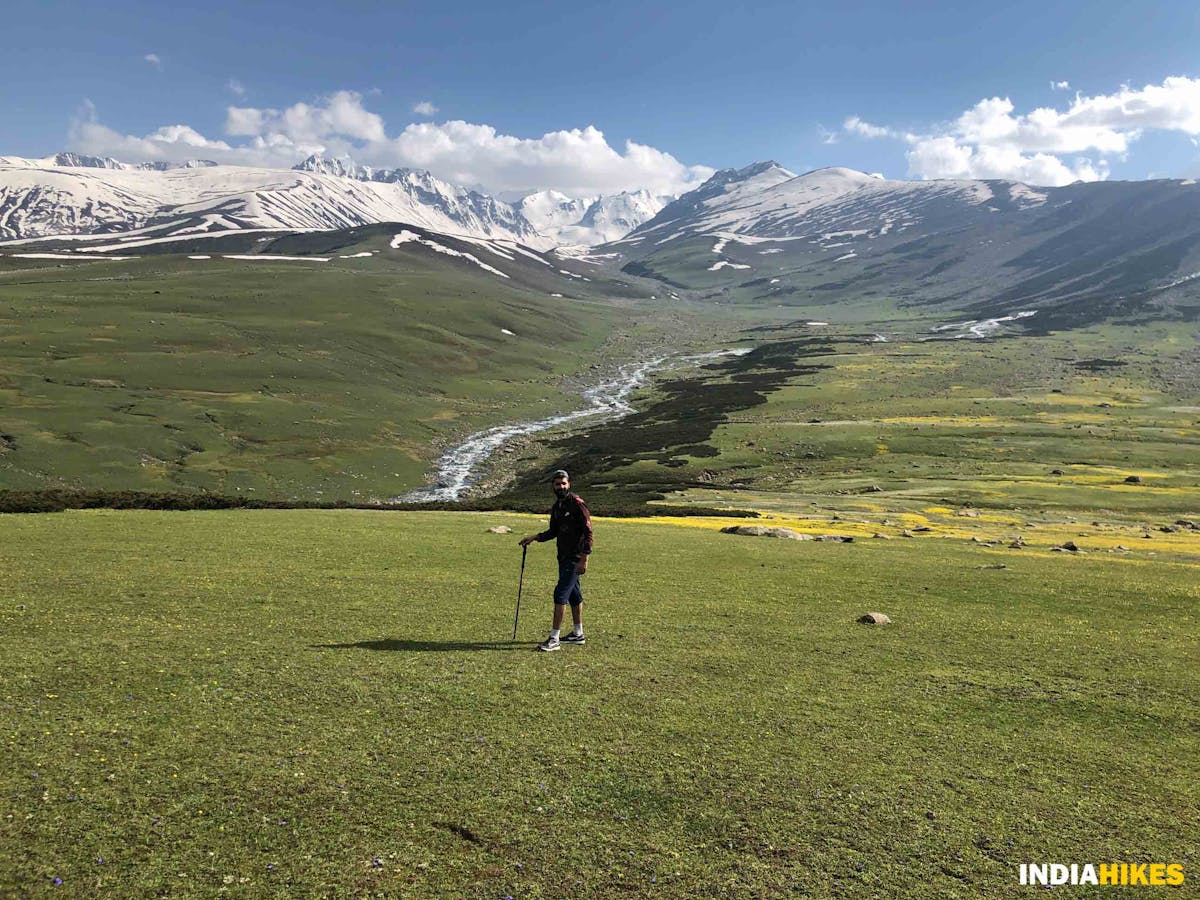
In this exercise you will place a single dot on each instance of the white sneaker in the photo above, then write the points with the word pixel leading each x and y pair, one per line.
pixel 549 644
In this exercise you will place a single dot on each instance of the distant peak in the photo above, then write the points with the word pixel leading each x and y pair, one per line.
pixel 83 161
pixel 841 172
pixel 759 168
pixel 323 165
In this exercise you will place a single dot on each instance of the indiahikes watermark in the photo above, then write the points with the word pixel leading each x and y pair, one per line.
pixel 1123 874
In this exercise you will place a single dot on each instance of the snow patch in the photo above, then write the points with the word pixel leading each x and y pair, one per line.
pixel 723 264
pixel 506 331
pixel 65 256
pixel 257 256
pixel 356 255
pixel 406 236
pixel 849 255
pixel 199 256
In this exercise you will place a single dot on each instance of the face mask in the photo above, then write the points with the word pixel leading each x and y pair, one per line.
pixel 561 492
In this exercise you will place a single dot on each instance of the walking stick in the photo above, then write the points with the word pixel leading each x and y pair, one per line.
pixel 520 587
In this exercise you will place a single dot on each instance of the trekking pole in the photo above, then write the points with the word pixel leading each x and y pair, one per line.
pixel 520 587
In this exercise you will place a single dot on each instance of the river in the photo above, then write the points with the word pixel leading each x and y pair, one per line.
pixel 459 467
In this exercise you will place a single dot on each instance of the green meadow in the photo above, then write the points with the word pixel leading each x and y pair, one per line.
pixel 327 703
pixel 284 379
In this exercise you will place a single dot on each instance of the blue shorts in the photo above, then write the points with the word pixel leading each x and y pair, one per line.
pixel 567 589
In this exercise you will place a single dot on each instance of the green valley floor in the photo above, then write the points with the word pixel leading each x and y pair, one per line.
pixel 304 703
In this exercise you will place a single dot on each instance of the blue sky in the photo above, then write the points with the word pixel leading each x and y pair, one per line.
pixel 697 86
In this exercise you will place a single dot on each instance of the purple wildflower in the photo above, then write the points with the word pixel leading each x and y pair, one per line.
pixel 57 880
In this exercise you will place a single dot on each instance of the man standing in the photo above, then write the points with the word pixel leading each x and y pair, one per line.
pixel 571 525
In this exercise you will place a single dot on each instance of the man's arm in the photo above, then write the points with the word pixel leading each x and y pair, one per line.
pixel 585 534
pixel 542 536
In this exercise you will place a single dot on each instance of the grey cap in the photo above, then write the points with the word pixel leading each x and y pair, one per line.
pixel 560 473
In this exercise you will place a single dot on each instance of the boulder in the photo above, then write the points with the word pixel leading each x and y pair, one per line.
pixel 499 529
pixel 1057 472
pixel 763 531
pixel 836 538
pixel 1134 479
pixel 874 618
pixel 969 513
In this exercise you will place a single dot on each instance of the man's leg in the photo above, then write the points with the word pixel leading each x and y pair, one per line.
pixel 568 585
pixel 576 602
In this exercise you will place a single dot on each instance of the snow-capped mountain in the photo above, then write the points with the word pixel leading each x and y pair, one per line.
pixel 586 221
pixel 72 195
pixel 83 161
pixel 990 247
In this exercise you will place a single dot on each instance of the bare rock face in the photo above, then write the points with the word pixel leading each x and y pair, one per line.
pixel 874 618
pixel 499 529
pixel 763 531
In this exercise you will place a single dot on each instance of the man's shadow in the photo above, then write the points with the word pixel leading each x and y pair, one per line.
pixel 402 646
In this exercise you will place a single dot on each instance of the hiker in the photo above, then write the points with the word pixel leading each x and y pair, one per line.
pixel 571 525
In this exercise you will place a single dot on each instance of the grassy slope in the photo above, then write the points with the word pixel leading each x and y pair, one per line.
pixel 294 703
pixel 935 425
pixel 321 380
pixel 986 424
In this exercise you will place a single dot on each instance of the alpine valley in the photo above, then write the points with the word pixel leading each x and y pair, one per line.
pixel 328 332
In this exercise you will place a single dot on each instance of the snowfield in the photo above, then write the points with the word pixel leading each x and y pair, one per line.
pixel 408 237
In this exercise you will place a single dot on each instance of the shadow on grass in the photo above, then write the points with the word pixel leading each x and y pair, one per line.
pixel 426 646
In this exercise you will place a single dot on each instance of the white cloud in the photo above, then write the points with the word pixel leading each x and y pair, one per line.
pixel 154 59
pixel 425 108
pixel 990 140
pixel 1060 85
pixel 171 142
pixel 576 162
pixel 341 114
pixel 236 87
pixel 579 161
pixel 855 125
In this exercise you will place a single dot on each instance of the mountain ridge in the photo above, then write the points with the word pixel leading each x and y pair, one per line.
pixel 71 194
pixel 988 247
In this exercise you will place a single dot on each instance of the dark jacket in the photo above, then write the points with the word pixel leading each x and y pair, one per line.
pixel 571 524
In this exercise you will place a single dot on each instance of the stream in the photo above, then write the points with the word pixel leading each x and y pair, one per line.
pixel 460 466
